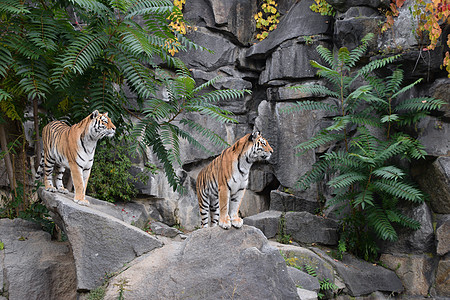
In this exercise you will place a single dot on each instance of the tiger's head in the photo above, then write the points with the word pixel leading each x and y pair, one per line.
pixel 102 125
pixel 260 149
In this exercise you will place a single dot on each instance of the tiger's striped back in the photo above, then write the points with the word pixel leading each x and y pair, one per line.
pixel 222 183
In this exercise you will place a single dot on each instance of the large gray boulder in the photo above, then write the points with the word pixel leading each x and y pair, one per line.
pixel 307 228
pixel 434 179
pixel 287 202
pixel 268 222
pixel 442 278
pixel 299 21
pixel 434 134
pixel 284 131
pixel 291 60
pixel 101 244
pixel 413 270
pixel 32 266
pixel 304 280
pixel 211 264
pixel 443 235
pixel 361 277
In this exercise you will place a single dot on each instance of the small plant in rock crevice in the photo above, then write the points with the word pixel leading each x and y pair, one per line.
pixel 363 174
pixel 282 237
pixel 267 19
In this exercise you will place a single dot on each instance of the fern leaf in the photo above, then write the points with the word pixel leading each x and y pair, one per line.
pixel 319 140
pixel 399 189
pixel 346 180
pixel 327 55
pixel 420 104
pixel 310 105
pixel 378 220
pixel 376 64
pixel 13 7
pixel 389 172
pixel 316 90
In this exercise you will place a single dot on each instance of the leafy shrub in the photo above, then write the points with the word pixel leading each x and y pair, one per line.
pixel 110 178
pixel 362 168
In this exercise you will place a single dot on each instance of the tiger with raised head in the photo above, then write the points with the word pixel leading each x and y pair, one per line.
pixel 222 183
pixel 72 147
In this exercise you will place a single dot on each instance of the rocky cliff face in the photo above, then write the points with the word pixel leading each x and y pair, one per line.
pixel 268 68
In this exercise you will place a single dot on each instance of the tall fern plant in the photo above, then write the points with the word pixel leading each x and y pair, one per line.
pixel 364 177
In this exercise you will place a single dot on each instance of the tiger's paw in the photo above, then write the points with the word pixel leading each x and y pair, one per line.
pixel 83 202
pixel 237 222
pixel 63 190
pixel 50 189
pixel 225 224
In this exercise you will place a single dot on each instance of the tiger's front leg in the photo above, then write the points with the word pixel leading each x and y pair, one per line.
pixel 235 203
pixel 224 218
pixel 78 183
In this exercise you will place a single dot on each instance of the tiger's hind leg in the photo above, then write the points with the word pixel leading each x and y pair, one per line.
pixel 49 164
pixel 204 209
pixel 214 210
pixel 58 182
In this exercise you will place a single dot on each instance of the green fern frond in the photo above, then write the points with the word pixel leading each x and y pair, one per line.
pixel 364 198
pixel 13 7
pixel 319 140
pixel 358 52
pixel 389 172
pixel 399 189
pixel 327 55
pixel 397 217
pixel 406 88
pixel 420 104
pixel 346 180
pixel 5 60
pixel 316 90
pixel 394 81
pixel 378 220
pixel 310 105
pixel 376 64
pixel 209 134
pixel 318 169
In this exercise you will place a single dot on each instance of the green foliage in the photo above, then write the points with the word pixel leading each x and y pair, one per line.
pixel 157 130
pixel 364 176
pixel 110 178
pixel 97 294
pixel 75 56
pixel 2 245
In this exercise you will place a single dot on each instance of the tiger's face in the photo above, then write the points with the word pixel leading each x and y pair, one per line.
pixel 261 149
pixel 102 125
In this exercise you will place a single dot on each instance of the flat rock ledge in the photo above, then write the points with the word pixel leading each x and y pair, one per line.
pixel 101 244
pixel 212 263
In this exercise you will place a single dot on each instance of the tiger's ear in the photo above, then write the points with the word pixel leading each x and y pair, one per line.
pixel 94 114
pixel 254 135
pixel 105 114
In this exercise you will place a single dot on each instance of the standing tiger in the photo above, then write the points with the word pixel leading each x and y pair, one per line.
pixel 221 184
pixel 73 147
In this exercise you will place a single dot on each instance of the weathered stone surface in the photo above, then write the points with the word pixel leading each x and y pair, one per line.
pixel 435 136
pixel 343 5
pixel 434 179
pixel 286 202
pixel 440 89
pixel 268 222
pixel 100 242
pixel 350 29
pixel 211 264
pixel 32 266
pixel 164 230
pixel 443 236
pixel 304 280
pixel 253 203
pixel 287 93
pixel 302 257
pixel 224 52
pixel 306 294
pixel 361 277
pixel 414 241
pixel 308 228
pixel 260 177
pixel 443 278
pixel 284 131
pixel 299 21
pixel 413 270
pixel 291 60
